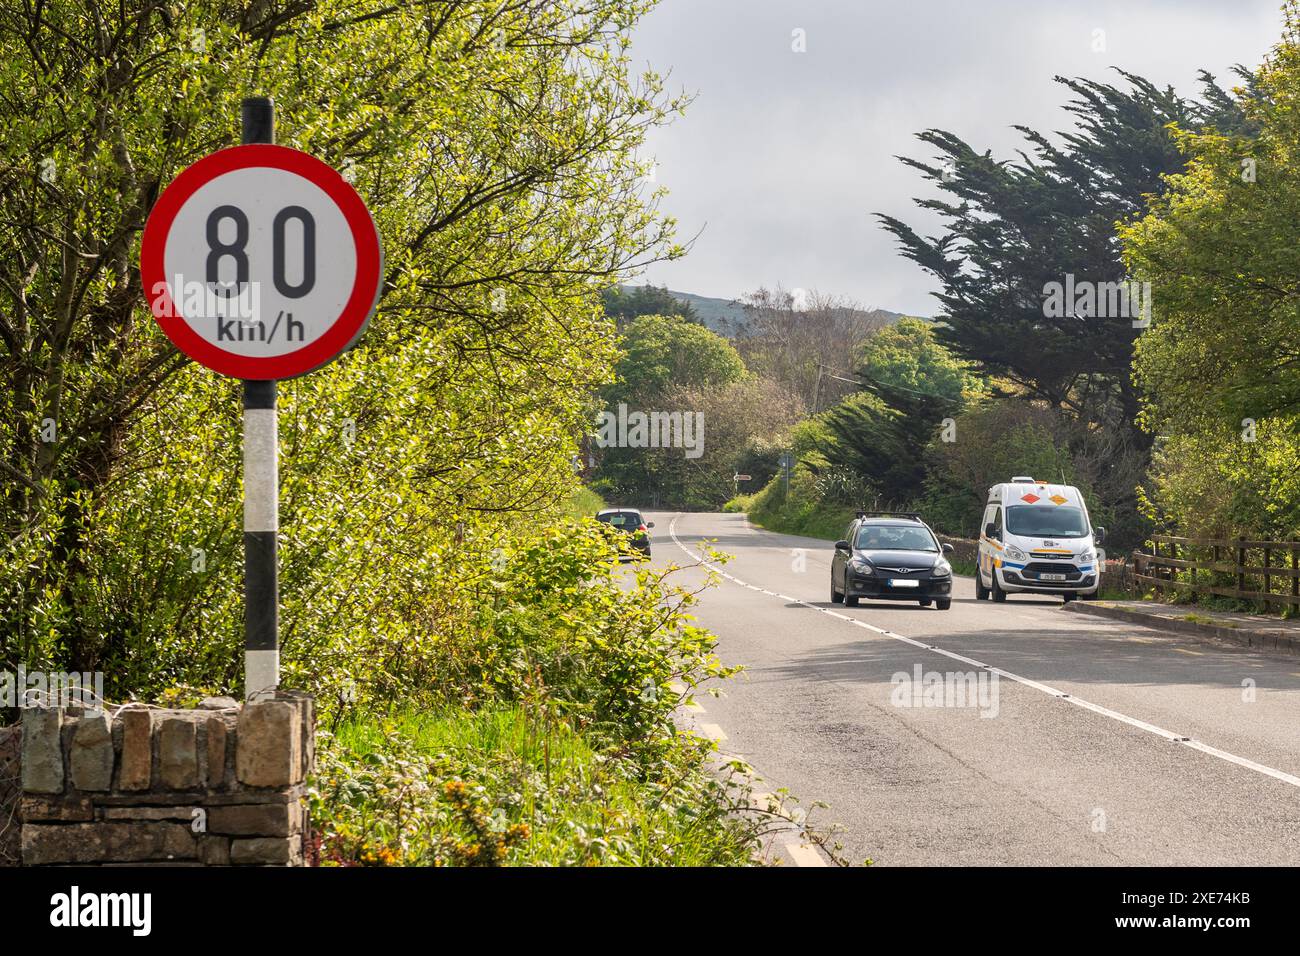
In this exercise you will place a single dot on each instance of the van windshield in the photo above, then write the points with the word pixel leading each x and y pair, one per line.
pixel 1046 521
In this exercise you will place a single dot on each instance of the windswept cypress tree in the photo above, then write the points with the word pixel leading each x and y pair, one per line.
pixel 1014 226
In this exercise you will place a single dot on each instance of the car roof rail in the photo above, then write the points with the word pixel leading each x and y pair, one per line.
pixel 914 515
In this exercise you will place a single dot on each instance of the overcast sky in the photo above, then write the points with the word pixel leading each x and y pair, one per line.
pixel 784 156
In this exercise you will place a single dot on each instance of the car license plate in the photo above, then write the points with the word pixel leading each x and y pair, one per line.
pixel 1051 577
pixel 903 583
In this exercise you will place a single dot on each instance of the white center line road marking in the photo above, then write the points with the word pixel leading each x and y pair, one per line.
pixel 1044 688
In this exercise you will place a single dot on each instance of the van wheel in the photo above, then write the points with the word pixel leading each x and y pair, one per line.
pixel 1067 598
pixel 996 591
pixel 981 592
pixel 943 603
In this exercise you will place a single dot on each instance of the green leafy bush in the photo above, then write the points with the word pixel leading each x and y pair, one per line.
pixel 818 504
pixel 553 618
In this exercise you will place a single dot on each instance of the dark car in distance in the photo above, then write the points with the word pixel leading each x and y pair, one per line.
pixel 891 557
pixel 630 522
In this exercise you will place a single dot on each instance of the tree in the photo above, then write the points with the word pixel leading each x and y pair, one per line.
pixel 908 356
pixel 1220 247
pixel 910 385
pixel 660 351
pixel 1220 364
pixel 796 340
pixel 743 422
pixel 1019 232
pixel 624 303
pixel 480 135
pixel 1210 483
pixel 666 360
pixel 1014 227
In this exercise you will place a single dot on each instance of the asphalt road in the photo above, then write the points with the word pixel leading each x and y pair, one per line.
pixel 1165 751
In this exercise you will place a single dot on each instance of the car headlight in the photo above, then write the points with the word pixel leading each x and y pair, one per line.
pixel 1014 553
pixel 860 563
pixel 942 568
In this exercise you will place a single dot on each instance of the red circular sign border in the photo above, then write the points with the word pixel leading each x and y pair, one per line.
pixel 356 311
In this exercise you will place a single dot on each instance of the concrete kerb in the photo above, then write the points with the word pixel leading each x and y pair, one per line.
pixel 1275 641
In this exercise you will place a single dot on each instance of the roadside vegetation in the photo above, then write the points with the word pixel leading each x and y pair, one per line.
pixel 1218 364
pixel 518 786
pixel 584 503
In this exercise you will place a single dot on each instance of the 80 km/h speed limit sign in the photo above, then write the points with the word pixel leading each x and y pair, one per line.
pixel 261 262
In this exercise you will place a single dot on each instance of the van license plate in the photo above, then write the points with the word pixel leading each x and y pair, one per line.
pixel 1051 577
pixel 903 583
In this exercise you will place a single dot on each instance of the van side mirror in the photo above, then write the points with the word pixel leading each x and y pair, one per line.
pixel 842 546
pixel 1098 535
pixel 991 530
pixel 947 548
pixel 649 524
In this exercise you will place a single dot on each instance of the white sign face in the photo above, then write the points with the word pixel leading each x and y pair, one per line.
pixel 261 262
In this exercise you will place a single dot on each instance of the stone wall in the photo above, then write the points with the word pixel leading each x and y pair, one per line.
pixel 963 549
pixel 218 785
pixel 1117 577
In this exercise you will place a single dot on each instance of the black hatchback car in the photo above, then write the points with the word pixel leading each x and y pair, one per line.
pixel 630 522
pixel 891 557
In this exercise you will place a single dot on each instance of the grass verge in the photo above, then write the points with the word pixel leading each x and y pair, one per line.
pixel 767 509
pixel 507 786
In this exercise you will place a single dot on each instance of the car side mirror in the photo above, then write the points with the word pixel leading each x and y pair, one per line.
pixel 842 546
pixel 1098 535
pixel 947 548
pixel 649 524
pixel 991 530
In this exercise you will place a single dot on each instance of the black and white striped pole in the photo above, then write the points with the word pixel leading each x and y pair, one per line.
pixel 261 488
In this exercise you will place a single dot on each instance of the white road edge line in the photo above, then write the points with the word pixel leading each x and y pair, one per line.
pixel 1044 688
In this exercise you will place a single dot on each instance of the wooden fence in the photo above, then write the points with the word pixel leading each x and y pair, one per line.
pixel 1265 571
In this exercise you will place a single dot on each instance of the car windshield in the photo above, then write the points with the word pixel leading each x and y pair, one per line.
pixel 1039 521
pixel 621 519
pixel 887 538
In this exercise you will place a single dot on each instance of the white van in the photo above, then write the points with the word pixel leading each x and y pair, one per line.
pixel 1036 539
